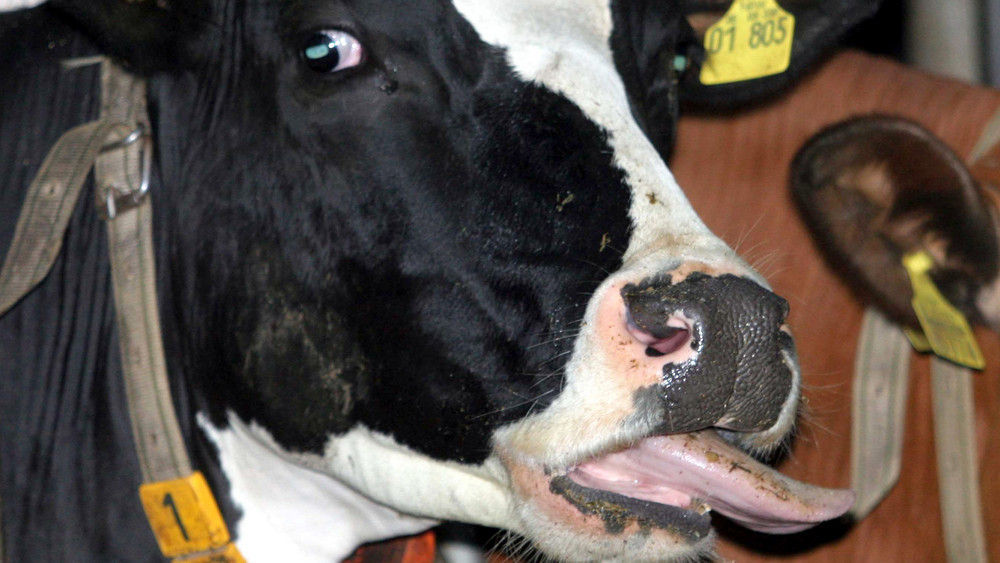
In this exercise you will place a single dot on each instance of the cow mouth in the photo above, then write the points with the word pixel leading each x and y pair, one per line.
pixel 671 482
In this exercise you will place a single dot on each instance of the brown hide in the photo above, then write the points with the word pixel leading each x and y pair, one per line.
pixel 734 169
pixel 410 549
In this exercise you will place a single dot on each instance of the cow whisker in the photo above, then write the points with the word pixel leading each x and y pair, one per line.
pixel 554 339
pixel 514 406
pixel 747 231
pixel 543 377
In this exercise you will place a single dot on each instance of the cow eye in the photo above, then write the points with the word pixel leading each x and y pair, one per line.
pixel 331 50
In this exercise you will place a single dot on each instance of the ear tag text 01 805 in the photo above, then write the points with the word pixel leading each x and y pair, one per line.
pixel 752 40
pixel 946 328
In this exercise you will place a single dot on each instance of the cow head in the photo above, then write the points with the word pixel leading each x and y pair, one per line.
pixel 876 188
pixel 426 249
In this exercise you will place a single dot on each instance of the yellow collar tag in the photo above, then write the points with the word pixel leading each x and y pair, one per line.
pixel 947 329
pixel 186 521
pixel 752 40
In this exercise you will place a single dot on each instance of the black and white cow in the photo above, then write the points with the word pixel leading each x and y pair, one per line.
pixel 418 261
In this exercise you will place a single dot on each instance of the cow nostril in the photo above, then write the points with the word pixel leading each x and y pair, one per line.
pixel 672 342
pixel 666 339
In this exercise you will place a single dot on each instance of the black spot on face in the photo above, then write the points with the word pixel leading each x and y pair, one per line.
pixel 412 239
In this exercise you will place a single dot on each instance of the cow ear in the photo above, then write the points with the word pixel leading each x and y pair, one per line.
pixel 819 24
pixel 144 35
pixel 648 39
pixel 876 188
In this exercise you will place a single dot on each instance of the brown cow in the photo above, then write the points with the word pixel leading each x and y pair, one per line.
pixel 739 188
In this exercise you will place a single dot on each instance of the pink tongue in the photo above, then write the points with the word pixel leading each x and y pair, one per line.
pixel 683 469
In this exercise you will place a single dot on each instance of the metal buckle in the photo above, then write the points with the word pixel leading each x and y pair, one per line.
pixel 122 198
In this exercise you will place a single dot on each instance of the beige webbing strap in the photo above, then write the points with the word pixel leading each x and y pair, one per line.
pixel 177 501
pixel 47 208
pixel 878 410
pixel 162 454
pixel 958 477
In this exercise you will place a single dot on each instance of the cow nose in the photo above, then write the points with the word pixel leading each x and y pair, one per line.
pixel 723 347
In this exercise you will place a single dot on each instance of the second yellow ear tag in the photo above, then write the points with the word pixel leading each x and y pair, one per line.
pixel 947 329
pixel 752 40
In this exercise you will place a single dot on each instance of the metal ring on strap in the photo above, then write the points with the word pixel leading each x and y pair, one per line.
pixel 122 198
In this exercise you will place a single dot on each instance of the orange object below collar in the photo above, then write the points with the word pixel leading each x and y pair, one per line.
pixel 410 549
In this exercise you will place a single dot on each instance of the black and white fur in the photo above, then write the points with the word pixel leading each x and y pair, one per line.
pixel 381 287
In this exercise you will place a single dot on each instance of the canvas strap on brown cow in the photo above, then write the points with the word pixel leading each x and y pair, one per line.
pixel 958 477
pixel 878 411
pixel 180 506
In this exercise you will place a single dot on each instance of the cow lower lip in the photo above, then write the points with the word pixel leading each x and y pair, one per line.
pixel 683 472
pixel 617 510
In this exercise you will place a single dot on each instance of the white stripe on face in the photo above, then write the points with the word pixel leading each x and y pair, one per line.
pixel 565 46
pixel 11 5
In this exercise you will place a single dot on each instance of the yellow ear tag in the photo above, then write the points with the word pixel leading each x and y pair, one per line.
pixel 752 40
pixel 186 520
pixel 946 328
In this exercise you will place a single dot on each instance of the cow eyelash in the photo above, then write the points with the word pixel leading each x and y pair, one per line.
pixel 331 50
